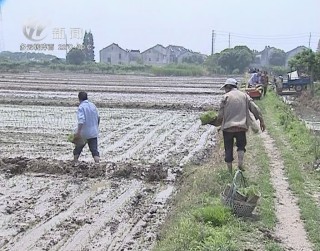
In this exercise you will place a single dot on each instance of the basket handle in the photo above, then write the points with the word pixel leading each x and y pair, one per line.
pixel 238 181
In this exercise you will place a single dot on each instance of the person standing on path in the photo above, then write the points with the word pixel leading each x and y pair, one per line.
pixel 234 118
pixel 88 127
pixel 265 82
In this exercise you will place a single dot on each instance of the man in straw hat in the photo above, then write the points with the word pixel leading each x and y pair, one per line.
pixel 234 120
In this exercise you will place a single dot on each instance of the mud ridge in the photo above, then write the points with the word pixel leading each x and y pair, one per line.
pixel 20 165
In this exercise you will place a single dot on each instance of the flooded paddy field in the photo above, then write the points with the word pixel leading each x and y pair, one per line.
pixel 150 130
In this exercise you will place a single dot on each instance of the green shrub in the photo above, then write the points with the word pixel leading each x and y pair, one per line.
pixel 218 240
pixel 216 215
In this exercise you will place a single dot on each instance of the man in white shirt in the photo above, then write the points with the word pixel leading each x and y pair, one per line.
pixel 88 127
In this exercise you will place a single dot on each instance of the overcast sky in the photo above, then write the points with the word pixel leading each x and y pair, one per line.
pixel 141 24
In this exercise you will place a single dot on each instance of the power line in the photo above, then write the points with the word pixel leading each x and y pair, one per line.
pixel 308 39
pixel 265 36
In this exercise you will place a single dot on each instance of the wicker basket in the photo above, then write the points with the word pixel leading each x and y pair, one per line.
pixel 240 208
pixel 237 196
pixel 239 203
pixel 253 199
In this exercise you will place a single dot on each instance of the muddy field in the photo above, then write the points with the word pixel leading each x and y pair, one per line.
pixel 150 130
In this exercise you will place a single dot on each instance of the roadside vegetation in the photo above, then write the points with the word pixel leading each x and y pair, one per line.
pixel 198 220
pixel 229 61
pixel 300 150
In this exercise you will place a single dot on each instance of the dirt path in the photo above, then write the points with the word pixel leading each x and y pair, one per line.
pixel 289 229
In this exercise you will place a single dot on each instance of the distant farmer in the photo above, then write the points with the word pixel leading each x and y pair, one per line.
pixel 254 79
pixel 234 120
pixel 265 82
pixel 88 127
pixel 279 84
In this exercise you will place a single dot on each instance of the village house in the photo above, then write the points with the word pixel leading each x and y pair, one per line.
pixel 156 55
pixel 262 58
pixel 174 51
pixel 135 57
pixel 292 53
pixel 114 54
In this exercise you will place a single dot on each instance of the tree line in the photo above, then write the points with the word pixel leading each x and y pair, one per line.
pixel 229 61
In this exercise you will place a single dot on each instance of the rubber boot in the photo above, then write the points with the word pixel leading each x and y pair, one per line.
pixel 96 159
pixel 229 165
pixel 75 159
pixel 240 160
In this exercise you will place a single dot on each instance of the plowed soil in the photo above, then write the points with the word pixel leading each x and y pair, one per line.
pixel 149 131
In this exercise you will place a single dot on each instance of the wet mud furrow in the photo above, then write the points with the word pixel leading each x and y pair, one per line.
pixel 83 236
pixel 110 136
pixel 141 234
pixel 166 101
pixel 149 130
pixel 26 201
pixel 179 143
pixel 199 151
pixel 86 210
pixel 116 89
pixel 129 135
pixel 146 137
pixel 122 80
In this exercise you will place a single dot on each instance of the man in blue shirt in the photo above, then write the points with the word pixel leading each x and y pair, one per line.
pixel 88 127
pixel 254 79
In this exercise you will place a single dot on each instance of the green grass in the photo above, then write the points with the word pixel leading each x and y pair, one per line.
pixel 258 159
pixel 200 222
pixel 298 147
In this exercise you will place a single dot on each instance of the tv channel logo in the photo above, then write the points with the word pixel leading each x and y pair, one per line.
pixel 35 30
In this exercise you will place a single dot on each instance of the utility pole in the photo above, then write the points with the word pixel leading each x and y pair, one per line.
pixel 1 32
pixel 309 40
pixel 229 41
pixel 213 42
pixel 66 37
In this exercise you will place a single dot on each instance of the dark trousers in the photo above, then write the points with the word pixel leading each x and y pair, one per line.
pixel 93 146
pixel 228 139
pixel 265 88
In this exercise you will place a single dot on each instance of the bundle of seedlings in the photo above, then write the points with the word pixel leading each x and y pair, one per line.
pixel 209 118
pixel 76 140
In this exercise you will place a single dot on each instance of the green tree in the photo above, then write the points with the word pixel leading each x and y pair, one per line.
pixel 307 62
pixel 212 66
pixel 244 56
pixel 75 56
pixel 277 58
pixel 235 59
pixel 193 59
pixel 88 46
pixel 227 60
